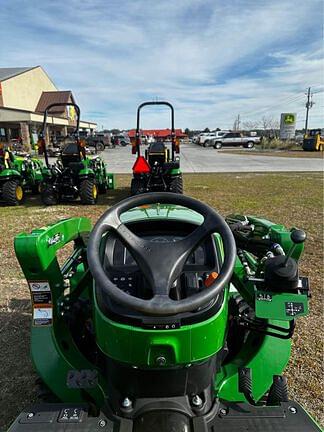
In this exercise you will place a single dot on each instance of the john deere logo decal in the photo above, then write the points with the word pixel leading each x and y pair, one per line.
pixel 289 119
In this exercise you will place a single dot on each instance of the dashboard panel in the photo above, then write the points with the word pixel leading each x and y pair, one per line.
pixel 124 272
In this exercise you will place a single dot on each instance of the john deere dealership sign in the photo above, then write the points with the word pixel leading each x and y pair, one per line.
pixel 287 125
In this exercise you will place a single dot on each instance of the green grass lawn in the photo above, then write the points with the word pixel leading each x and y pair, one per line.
pixel 288 198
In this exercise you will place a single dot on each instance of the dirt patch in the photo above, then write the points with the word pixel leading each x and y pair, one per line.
pixel 294 199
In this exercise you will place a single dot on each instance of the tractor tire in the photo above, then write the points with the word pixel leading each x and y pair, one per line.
pixel 88 192
pixel 137 186
pixel 102 188
pixel 36 189
pixel 48 195
pixel 218 145
pixel 249 145
pixel 176 185
pixel 100 147
pixel 12 193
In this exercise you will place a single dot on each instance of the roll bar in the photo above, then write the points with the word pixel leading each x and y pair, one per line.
pixel 43 132
pixel 137 133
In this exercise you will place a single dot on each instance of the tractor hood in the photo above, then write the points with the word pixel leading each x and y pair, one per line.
pixel 162 211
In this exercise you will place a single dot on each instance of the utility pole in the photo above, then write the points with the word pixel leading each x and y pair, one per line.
pixel 237 123
pixel 309 105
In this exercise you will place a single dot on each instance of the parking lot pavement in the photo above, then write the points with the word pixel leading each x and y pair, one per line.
pixel 195 159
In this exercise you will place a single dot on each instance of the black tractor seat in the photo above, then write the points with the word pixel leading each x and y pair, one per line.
pixel 71 157
pixel 157 152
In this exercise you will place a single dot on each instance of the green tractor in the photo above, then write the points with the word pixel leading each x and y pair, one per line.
pixel 74 175
pixel 159 170
pixel 18 175
pixel 166 318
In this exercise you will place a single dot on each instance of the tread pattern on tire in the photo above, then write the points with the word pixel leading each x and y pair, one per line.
pixel 137 186
pixel 86 192
pixel 9 193
pixel 176 185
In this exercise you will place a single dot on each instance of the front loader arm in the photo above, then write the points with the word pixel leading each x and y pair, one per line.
pixel 52 288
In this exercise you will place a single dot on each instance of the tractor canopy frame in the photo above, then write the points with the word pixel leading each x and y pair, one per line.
pixel 44 126
pixel 136 146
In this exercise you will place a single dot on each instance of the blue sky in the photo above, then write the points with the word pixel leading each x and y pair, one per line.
pixel 213 59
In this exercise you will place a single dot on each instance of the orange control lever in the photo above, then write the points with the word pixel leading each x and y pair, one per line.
pixel 211 279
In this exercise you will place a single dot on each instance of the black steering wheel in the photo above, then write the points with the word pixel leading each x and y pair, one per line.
pixel 161 263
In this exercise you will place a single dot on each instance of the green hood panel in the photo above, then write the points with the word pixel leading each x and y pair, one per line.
pixel 9 172
pixel 163 211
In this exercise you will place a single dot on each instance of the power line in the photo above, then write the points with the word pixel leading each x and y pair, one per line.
pixel 286 101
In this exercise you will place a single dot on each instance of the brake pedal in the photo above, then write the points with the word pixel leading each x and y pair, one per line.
pixel 245 384
pixel 278 391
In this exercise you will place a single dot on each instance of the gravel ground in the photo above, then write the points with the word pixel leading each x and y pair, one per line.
pixel 294 199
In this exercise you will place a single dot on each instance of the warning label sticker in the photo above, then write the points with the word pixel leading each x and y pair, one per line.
pixel 39 286
pixel 42 297
pixel 42 303
pixel 42 315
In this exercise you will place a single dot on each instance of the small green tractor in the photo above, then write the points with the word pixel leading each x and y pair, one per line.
pixel 159 170
pixel 165 318
pixel 18 175
pixel 74 175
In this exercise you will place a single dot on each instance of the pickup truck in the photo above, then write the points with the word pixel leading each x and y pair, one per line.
pixel 99 140
pixel 206 139
pixel 235 139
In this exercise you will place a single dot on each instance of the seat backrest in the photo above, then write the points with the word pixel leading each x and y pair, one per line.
pixel 157 152
pixel 70 154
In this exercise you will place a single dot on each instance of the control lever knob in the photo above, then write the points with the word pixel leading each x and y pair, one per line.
pixel 298 236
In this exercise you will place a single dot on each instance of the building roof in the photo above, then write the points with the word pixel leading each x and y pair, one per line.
pixel 158 133
pixel 6 73
pixel 50 97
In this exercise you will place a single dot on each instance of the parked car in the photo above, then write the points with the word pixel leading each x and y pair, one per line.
pixel 99 140
pixel 209 139
pixel 121 139
pixel 236 139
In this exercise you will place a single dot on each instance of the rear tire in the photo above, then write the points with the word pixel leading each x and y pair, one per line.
pixel 249 145
pixel 137 186
pixel 48 195
pixel 12 193
pixel 100 147
pixel 102 188
pixel 176 185
pixel 88 192
pixel 206 143
pixel 218 145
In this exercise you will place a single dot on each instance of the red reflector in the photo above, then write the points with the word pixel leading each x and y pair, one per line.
pixel 141 166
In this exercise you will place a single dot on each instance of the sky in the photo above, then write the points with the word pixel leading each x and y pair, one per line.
pixel 212 59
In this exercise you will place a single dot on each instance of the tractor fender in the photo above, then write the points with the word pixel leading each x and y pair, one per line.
pixel 86 172
pixel 9 173
pixel 174 171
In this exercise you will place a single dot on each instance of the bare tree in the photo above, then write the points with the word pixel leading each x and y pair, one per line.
pixel 251 124
pixel 269 123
